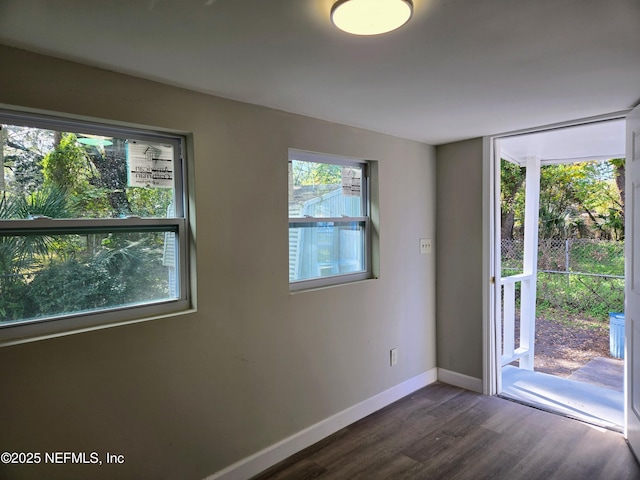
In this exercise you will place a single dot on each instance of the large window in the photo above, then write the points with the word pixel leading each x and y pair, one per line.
pixel 328 220
pixel 93 225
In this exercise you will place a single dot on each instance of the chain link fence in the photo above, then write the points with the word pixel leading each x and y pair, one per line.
pixel 579 275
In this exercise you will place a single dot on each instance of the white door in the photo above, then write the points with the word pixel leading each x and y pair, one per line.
pixel 632 283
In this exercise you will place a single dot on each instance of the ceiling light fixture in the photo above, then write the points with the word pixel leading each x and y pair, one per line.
pixel 370 17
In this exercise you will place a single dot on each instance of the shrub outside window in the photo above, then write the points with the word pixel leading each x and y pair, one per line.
pixel 328 220
pixel 93 225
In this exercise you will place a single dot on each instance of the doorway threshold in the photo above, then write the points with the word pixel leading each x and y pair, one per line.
pixel 585 402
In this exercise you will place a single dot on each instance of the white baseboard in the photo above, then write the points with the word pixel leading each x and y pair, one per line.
pixel 460 380
pixel 260 461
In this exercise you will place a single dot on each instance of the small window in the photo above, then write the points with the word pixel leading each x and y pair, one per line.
pixel 328 220
pixel 93 225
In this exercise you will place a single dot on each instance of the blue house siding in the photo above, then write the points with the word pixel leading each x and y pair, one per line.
pixel 326 249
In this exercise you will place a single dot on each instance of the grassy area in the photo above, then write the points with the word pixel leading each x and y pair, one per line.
pixel 587 289
pixel 603 258
pixel 589 296
pixel 578 321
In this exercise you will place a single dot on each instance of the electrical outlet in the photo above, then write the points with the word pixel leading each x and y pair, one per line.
pixel 394 356
pixel 425 245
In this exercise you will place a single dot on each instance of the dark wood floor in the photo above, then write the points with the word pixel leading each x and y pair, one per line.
pixel 443 432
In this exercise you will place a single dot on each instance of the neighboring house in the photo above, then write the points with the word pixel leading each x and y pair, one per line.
pixel 328 250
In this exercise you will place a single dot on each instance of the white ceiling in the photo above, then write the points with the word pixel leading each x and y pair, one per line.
pixel 458 69
pixel 593 141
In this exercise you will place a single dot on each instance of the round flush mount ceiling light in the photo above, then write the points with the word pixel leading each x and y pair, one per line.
pixel 370 17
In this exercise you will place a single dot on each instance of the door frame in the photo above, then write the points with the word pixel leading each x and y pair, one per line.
pixel 490 255
pixel 632 299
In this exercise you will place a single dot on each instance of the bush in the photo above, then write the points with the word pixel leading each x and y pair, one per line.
pixel 72 287
pixel 15 299
pixel 114 277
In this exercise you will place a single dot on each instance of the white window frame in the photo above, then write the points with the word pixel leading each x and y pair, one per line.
pixel 46 327
pixel 337 279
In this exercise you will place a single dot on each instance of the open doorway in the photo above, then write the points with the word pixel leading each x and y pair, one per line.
pixel 560 254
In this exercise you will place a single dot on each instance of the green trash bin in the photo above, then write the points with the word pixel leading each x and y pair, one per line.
pixel 616 334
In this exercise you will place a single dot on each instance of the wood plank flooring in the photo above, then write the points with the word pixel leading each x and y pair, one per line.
pixel 444 432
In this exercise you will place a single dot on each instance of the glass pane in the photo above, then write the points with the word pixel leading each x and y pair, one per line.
pixel 74 175
pixel 325 248
pixel 324 190
pixel 45 276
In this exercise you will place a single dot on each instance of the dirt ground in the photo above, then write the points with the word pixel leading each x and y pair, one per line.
pixel 566 344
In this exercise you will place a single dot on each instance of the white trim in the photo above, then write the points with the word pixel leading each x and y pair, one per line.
pixel 570 123
pixel 530 262
pixel 460 380
pixel 260 461
pixel 491 370
pixel 316 157
pixel 308 221
pixel 34 329
pixel 488 269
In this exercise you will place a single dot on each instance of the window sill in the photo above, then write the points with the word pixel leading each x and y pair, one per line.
pixel 312 288
pixel 46 329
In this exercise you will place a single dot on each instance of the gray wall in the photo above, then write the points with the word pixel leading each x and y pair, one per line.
pixel 459 257
pixel 185 396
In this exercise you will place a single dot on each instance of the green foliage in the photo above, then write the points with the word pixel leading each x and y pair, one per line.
pixel 617 162
pixel 115 276
pixel 593 297
pixel 69 168
pixel 23 150
pixel 47 275
pixel 511 182
pixel 65 167
pixel 598 257
pixel 70 286
pixel 22 254
pixel 49 202
pixel 576 200
pixel 149 202
pixel 590 285
pixel 16 301
pixel 19 252
pixel 310 173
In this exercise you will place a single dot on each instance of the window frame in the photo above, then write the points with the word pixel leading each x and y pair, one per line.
pixel 364 219
pixel 64 324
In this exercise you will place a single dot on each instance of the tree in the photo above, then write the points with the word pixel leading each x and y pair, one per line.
pixel 94 175
pixel 21 255
pixel 110 162
pixel 23 150
pixel 310 173
pixel 619 167
pixel 576 200
pixel 511 195
pixel 560 215
pixel 52 174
